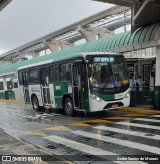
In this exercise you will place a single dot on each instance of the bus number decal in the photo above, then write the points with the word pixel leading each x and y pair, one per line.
pixel 58 87
pixel 35 89
pixel 70 89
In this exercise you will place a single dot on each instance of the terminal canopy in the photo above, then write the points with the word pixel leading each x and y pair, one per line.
pixel 109 43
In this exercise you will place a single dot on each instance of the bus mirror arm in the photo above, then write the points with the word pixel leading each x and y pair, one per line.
pixel 89 72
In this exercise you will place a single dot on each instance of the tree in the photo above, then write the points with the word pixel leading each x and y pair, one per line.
pixel 7 58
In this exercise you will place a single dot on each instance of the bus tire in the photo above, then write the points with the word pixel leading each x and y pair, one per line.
pixel 35 103
pixel 68 107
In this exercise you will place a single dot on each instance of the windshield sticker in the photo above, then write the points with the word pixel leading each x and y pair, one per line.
pixel 116 83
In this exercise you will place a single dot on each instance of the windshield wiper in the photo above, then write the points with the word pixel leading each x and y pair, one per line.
pixel 109 81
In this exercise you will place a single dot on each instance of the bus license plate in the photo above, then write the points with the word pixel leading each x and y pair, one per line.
pixel 114 105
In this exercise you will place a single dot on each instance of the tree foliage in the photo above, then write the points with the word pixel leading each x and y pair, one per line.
pixel 7 58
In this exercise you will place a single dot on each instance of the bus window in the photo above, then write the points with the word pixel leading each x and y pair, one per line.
pixel 65 72
pixel 15 85
pixel 110 72
pixel 1 86
pixel 44 77
pixel 9 85
pixel 25 78
pixel 75 76
pixel 33 76
pixel 20 78
pixel 53 73
pixel 130 68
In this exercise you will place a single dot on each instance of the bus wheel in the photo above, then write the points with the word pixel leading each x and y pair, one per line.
pixel 68 107
pixel 35 103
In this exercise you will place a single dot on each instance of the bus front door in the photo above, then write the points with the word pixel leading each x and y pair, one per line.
pixel 25 89
pixel 76 84
pixel 45 87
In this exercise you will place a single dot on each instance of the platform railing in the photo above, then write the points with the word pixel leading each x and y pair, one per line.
pixel 142 97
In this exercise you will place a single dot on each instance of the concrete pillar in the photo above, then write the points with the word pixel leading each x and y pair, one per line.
pixel 29 53
pixel 157 80
pixel 102 32
pixel 65 44
pixel 90 33
pixel 19 55
pixel 53 45
pixel 56 45
pixel 4 83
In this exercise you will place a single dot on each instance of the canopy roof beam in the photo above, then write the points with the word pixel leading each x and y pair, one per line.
pixel 141 9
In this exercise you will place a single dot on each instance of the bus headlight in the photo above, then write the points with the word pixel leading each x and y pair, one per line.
pixel 96 98
pixel 127 95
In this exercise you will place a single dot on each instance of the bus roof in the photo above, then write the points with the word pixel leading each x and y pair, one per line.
pixel 35 64
pixel 61 58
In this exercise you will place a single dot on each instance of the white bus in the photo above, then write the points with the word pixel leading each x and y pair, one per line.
pixel 12 86
pixel 86 82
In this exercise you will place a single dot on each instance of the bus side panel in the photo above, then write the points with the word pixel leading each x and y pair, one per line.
pixel 21 92
pixel 36 90
pixel 84 101
pixel 52 97
pixel 17 93
pixel 61 89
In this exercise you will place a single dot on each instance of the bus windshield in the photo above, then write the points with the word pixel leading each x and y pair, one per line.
pixel 108 72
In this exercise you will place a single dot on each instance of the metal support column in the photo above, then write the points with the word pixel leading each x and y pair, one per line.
pixel 157 80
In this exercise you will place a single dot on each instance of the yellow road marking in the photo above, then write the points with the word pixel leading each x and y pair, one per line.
pixel 139 111
pixel 97 121
pixel 78 124
pixel 15 101
pixel 133 115
pixel 117 118
pixel 62 128
pixel 35 133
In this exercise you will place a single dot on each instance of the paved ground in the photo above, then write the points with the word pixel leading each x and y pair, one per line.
pixel 13 150
pixel 130 135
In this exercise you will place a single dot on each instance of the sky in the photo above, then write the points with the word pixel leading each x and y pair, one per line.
pixel 23 21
